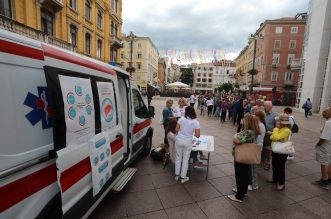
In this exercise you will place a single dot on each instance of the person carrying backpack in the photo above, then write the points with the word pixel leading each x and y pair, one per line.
pixel 307 106
pixel 294 127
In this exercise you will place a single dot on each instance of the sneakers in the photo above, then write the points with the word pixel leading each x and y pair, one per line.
pixel 185 179
pixel 233 198
pixel 176 178
pixel 250 188
pixel 235 190
pixel 290 157
pixel 325 184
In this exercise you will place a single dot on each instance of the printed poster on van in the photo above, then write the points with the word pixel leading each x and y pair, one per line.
pixel 100 159
pixel 107 105
pixel 78 109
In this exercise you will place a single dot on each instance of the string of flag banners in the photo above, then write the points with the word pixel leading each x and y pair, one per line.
pixel 184 56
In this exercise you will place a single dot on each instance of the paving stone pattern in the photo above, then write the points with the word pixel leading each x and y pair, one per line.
pixel 153 192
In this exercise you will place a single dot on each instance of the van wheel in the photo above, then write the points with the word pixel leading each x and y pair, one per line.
pixel 147 146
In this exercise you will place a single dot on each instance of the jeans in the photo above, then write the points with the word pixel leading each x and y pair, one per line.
pixel 183 151
pixel 165 140
pixel 278 168
pixel 242 179
pixel 194 156
pixel 253 176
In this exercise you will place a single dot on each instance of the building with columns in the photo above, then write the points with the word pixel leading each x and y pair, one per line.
pixel 315 78
pixel 89 27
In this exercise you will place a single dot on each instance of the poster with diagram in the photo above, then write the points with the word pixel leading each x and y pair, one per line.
pixel 100 158
pixel 78 109
pixel 108 112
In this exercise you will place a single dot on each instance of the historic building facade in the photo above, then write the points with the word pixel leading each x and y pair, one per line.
pixel 89 27
pixel 142 57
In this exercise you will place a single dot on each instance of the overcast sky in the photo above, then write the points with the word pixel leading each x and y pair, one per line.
pixel 203 24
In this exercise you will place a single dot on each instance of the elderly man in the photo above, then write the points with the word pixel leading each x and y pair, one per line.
pixel 270 124
pixel 323 151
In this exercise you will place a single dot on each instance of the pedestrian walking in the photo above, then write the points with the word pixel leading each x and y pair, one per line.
pixel 187 126
pixel 192 99
pixel 307 106
pixel 224 108
pixel 323 151
pixel 248 135
pixel 280 133
pixel 167 114
pixel 210 105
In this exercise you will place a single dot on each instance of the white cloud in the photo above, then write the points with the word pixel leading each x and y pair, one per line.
pixel 194 24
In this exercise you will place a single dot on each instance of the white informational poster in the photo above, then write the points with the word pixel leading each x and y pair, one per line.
pixel 100 158
pixel 78 109
pixel 107 105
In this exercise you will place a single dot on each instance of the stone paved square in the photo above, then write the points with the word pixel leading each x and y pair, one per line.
pixel 153 192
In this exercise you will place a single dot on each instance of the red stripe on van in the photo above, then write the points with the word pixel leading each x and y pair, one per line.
pixel 21 50
pixel 58 54
pixel 72 175
pixel 116 145
pixel 24 187
pixel 139 126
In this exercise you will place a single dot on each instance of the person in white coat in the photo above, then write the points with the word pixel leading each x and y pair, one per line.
pixel 187 126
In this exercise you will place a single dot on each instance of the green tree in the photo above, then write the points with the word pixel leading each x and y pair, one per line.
pixel 226 87
pixel 186 76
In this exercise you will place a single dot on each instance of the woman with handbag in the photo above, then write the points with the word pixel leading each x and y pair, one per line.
pixel 281 133
pixel 248 135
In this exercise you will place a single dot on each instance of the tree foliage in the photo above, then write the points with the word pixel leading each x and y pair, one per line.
pixel 186 76
pixel 226 87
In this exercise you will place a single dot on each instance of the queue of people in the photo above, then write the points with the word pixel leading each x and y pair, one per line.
pixel 257 124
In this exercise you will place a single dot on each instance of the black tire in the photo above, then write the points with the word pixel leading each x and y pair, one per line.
pixel 147 145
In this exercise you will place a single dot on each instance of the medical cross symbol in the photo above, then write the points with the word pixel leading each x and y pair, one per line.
pixel 41 109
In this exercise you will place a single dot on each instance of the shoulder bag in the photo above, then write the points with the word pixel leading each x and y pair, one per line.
pixel 283 147
pixel 248 153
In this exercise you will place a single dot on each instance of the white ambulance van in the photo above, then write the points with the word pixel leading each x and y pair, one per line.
pixel 69 127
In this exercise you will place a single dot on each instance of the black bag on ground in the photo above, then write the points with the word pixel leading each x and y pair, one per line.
pixel 158 153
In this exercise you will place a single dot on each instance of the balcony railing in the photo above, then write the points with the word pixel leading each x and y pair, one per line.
pixel 115 41
pixel 297 64
pixel 22 29
pixel 288 83
pixel 57 5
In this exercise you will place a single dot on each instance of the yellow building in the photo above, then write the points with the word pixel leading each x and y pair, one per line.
pixel 89 27
pixel 242 60
pixel 144 59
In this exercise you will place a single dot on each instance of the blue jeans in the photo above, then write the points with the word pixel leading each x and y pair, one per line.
pixel 194 156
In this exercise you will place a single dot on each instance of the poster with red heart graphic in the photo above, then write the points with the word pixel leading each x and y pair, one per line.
pixel 108 112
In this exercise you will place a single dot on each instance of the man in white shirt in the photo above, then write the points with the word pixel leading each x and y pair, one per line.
pixel 192 99
pixel 323 151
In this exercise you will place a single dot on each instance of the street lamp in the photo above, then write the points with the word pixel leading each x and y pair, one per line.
pixel 253 71
pixel 131 69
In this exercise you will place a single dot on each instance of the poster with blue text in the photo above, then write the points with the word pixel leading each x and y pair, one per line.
pixel 100 158
pixel 78 109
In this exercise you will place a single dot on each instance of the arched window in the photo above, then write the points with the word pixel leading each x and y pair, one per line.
pixel 73 4
pixel 88 43
pixel 88 9
pixel 99 21
pixel 99 49
pixel 73 35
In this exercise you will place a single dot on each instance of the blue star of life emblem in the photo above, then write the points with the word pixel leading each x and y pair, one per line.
pixel 41 108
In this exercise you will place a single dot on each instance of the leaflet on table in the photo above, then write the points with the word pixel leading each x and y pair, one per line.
pixel 200 141
pixel 78 109
pixel 101 163
pixel 108 112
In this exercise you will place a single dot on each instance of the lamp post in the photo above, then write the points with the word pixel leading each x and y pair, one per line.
pixel 254 37
pixel 131 37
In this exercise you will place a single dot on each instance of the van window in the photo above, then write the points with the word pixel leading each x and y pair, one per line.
pixel 55 93
pixel 140 109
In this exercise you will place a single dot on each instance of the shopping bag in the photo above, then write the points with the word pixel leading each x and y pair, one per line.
pixel 248 153
pixel 283 147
